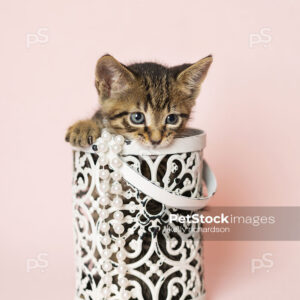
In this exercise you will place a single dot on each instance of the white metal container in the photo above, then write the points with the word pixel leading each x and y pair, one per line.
pixel 123 195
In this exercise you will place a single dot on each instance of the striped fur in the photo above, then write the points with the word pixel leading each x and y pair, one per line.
pixel 149 88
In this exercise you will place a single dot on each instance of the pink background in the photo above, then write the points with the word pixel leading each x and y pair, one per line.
pixel 249 107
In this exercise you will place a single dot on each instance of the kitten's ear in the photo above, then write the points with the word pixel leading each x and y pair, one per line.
pixel 112 78
pixel 190 77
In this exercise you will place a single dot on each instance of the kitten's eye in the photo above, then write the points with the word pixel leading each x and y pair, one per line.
pixel 137 118
pixel 172 119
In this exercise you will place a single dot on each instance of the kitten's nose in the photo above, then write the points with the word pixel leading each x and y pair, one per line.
pixel 155 143
pixel 155 137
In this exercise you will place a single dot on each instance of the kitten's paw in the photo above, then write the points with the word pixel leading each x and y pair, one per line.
pixel 83 133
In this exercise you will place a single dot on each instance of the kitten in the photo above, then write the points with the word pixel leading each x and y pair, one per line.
pixel 146 102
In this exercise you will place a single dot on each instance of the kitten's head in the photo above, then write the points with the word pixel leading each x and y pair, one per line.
pixel 148 102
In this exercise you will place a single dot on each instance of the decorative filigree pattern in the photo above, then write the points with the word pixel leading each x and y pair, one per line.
pixel 125 245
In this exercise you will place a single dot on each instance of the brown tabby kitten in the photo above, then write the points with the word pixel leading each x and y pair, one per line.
pixel 147 102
